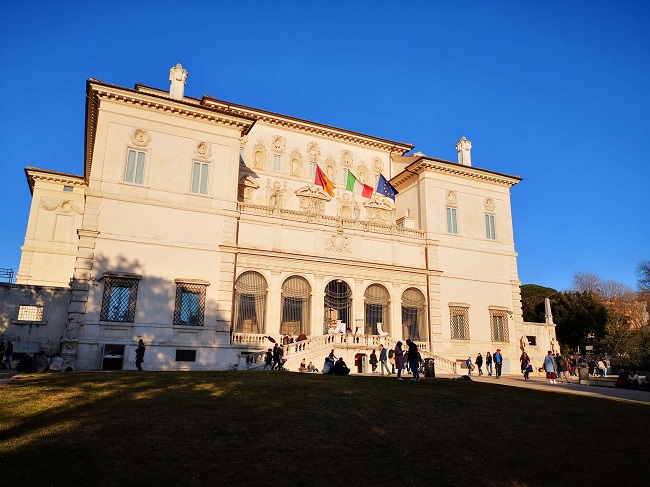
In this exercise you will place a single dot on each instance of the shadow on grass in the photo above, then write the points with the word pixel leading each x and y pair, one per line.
pixel 198 428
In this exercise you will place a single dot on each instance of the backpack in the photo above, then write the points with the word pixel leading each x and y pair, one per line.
pixel 391 352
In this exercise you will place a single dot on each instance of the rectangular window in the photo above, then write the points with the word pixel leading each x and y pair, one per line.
pixel 452 223
pixel 68 189
pixel 277 162
pixel 190 304
pixel 200 177
pixel 185 355
pixel 118 301
pixel 30 313
pixel 490 232
pixel 532 340
pixel 135 167
pixel 312 169
pixel 459 317
pixel 499 325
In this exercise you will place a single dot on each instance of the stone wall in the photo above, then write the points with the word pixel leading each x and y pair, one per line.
pixel 43 316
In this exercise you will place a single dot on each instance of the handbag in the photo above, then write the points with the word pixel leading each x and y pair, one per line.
pixel 529 368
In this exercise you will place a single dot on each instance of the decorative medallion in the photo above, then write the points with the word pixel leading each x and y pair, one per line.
pixel 489 204
pixel 377 165
pixel 339 243
pixel 346 159
pixel 313 151
pixel 277 143
pixel 451 198
pixel 203 150
pixel 140 137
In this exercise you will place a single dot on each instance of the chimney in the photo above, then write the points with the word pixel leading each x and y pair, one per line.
pixel 177 78
pixel 463 147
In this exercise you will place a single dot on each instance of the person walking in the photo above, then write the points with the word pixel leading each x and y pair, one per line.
pixel 399 360
pixel 276 357
pixel 413 359
pixel 373 361
pixel 498 362
pixel 9 353
pixel 139 354
pixel 268 360
pixel 469 365
pixel 479 363
pixel 488 363
pixel 561 364
pixel 383 358
pixel 525 362
pixel 549 367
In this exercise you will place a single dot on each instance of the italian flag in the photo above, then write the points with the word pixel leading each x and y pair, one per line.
pixel 357 187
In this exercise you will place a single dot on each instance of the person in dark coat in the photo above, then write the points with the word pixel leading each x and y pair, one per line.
pixel 479 363
pixel 268 361
pixel 525 360
pixel 139 354
pixel 9 353
pixel 373 361
pixel 26 364
pixel 413 359
pixel 488 363
pixel 399 360
pixel 276 357
pixel 340 367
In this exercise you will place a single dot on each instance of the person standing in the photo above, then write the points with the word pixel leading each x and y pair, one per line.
pixel 383 358
pixel 561 368
pixel 268 360
pixel 399 360
pixel 525 360
pixel 479 363
pixel 413 359
pixel 498 362
pixel 488 363
pixel 276 357
pixel 9 353
pixel 373 361
pixel 469 365
pixel 139 354
pixel 549 367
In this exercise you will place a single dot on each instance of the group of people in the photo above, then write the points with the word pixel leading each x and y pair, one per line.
pixel 40 363
pixel 307 367
pixel 496 359
pixel 332 366
pixel 398 359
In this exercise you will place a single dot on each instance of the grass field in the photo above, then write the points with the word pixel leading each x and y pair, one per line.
pixel 255 428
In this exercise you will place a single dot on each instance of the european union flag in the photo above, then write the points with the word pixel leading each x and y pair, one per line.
pixel 385 188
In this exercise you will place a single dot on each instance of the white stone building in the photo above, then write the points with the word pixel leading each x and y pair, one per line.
pixel 197 226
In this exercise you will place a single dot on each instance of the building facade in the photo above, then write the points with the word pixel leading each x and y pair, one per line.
pixel 197 227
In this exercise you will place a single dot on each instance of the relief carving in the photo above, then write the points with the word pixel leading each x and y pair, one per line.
pixel 380 210
pixel 65 206
pixel 330 168
pixel 362 173
pixel 243 141
pixel 313 151
pixel 339 243
pixel 277 143
pixel 245 189
pixel 377 165
pixel 203 150
pixel 489 204
pixel 346 159
pixel 140 137
pixel 451 198
pixel 312 199
pixel 347 206
pixel 275 194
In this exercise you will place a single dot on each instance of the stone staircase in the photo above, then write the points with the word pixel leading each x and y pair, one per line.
pixel 317 348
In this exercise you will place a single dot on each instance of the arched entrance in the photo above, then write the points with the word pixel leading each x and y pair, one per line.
pixel 250 303
pixel 413 323
pixel 377 309
pixel 360 362
pixel 296 306
pixel 338 304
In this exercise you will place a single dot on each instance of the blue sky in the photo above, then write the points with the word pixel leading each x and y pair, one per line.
pixel 556 92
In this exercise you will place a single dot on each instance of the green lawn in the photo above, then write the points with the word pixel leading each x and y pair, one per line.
pixel 279 428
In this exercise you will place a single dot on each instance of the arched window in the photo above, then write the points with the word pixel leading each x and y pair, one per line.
pixel 296 306
pixel 338 304
pixel 250 303
pixel 377 309
pixel 413 322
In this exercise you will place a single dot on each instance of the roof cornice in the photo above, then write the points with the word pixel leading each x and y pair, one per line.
pixel 97 91
pixel 34 174
pixel 309 127
pixel 425 164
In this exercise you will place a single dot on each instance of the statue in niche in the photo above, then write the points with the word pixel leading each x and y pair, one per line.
pixel 362 173
pixel 276 194
pixel 259 155
pixel 356 212
pixel 346 205
pixel 331 172
pixel 295 163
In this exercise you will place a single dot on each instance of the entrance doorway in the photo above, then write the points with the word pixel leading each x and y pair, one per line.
pixel 360 362
pixel 338 305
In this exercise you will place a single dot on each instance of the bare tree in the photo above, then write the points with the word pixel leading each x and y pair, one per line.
pixel 643 275
pixel 587 282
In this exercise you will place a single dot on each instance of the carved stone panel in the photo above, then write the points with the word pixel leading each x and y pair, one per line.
pixel 489 204
pixel 377 165
pixel 275 194
pixel 451 198
pixel 346 159
pixel 64 206
pixel 380 210
pixel 312 199
pixel 313 151
pixel 338 243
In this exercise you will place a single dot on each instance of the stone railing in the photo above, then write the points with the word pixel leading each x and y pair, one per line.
pixel 328 220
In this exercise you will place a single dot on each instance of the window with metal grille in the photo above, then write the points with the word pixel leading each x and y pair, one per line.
pixel 337 303
pixel 459 317
pixel 118 301
pixel 296 306
pixel 377 308
pixel 499 325
pixel 30 313
pixel 190 304
pixel 413 323
pixel 185 355
pixel 250 303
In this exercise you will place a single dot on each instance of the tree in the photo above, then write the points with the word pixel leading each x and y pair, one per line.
pixel 580 318
pixel 643 276
pixel 531 296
